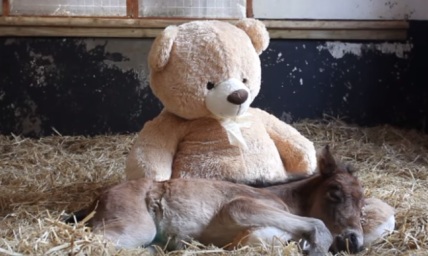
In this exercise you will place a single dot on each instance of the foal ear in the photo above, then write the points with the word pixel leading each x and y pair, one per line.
pixel 326 162
pixel 350 169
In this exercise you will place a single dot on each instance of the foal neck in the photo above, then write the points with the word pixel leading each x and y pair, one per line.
pixel 297 195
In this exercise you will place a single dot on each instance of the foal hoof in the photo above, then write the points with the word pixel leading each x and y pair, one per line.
pixel 350 243
pixel 315 252
pixel 307 249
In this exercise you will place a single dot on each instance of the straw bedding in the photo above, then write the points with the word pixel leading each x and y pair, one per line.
pixel 41 179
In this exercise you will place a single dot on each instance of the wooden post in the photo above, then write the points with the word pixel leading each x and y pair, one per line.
pixel 132 8
pixel 6 8
pixel 250 13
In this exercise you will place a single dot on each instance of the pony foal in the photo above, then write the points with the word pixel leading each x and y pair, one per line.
pixel 143 212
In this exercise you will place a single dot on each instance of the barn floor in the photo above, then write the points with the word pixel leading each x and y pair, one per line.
pixel 40 179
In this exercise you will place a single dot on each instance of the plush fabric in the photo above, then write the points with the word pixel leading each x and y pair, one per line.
pixel 201 132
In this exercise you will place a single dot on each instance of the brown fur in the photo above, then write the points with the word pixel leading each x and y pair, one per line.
pixel 141 212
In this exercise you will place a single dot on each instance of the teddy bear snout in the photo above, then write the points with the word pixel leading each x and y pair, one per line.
pixel 238 97
pixel 228 99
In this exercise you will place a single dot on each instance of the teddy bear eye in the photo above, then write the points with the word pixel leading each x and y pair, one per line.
pixel 210 85
pixel 245 80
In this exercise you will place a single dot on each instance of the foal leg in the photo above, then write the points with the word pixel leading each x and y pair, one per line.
pixel 129 233
pixel 122 216
pixel 260 236
pixel 252 213
pixel 378 220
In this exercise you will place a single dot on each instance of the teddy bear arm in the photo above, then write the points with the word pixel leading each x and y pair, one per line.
pixel 297 152
pixel 152 154
pixel 378 220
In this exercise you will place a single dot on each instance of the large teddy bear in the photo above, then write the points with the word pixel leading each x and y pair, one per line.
pixel 206 74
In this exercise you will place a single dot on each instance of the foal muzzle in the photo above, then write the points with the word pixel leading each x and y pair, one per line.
pixel 349 241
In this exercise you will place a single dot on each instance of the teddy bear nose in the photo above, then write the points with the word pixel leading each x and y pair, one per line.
pixel 238 97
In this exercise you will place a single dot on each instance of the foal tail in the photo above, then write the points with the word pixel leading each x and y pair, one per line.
pixel 76 216
pixel 83 214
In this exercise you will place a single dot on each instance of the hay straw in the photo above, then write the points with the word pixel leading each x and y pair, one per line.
pixel 42 179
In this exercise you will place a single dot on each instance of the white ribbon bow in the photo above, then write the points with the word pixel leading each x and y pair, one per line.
pixel 233 129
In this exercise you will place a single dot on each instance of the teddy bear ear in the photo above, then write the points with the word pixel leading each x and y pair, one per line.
pixel 161 48
pixel 257 32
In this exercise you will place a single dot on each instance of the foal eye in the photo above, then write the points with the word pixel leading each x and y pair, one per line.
pixel 334 194
pixel 210 85
pixel 245 80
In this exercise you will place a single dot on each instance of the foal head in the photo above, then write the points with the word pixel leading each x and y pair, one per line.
pixel 338 202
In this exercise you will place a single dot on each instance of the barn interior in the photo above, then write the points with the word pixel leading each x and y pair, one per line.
pixel 74 92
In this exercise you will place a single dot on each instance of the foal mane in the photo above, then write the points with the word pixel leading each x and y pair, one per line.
pixel 291 179
pixel 326 162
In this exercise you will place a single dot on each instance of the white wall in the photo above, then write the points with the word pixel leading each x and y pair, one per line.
pixel 341 9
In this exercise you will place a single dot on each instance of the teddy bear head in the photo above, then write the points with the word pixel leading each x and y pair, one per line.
pixel 208 68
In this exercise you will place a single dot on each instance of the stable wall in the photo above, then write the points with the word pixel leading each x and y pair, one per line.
pixel 97 86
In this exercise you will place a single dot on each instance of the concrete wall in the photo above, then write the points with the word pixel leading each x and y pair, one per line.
pixel 98 86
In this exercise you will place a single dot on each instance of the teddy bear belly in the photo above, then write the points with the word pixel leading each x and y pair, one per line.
pixel 222 161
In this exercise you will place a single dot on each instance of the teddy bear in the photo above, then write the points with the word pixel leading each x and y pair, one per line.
pixel 206 74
